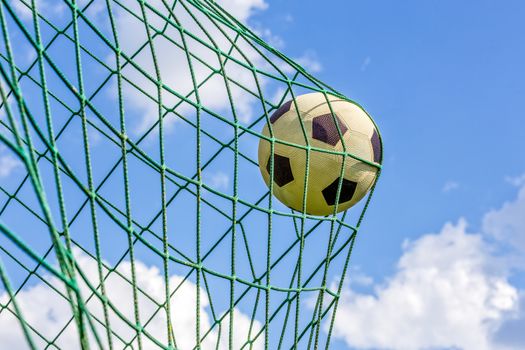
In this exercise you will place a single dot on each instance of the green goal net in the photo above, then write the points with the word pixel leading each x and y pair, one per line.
pixel 132 211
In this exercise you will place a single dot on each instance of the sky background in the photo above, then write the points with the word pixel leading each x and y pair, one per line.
pixel 438 262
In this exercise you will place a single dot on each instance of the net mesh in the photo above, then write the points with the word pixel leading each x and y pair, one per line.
pixel 132 211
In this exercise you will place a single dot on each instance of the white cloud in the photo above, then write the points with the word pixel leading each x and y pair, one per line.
pixel 243 9
pixel 8 163
pixel 218 180
pixel 516 180
pixel 310 62
pixel 174 68
pixel 450 186
pixel 44 7
pixel 510 333
pixel 444 294
pixel 48 312
pixel 450 290
pixel 507 223
pixel 366 63
pixel 360 279
pixel 269 37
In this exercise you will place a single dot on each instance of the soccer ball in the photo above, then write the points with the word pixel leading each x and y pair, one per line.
pixel 359 139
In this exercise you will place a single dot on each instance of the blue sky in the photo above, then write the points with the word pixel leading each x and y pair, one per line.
pixel 438 261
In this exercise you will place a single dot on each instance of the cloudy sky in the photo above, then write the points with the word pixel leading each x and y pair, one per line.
pixel 438 262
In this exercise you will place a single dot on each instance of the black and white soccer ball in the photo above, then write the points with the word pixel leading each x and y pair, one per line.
pixel 354 136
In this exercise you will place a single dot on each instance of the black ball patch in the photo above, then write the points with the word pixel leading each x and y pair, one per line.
pixel 282 170
pixel 376 146
pixel 347 191
pixel 279 112
pixel 325 130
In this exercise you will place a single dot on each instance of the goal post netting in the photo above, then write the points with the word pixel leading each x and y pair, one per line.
pixel 132 211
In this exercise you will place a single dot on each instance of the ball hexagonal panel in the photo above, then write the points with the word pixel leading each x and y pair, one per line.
pixel 280 111
pixel 376 146
pixel 347 191
pixel 325 130
pixel 282 170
